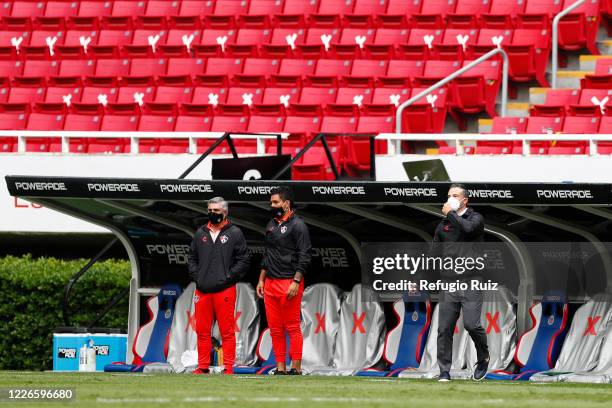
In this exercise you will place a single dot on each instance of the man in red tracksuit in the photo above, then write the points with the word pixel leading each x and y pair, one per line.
pixel 281 285
pixel 218 259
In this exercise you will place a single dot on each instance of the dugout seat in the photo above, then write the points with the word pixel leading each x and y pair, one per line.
pixel 582 346
pixel 151 340
pixel 320 324
pixel 360 337
pixel 405 343
pixel 499 321
pixel 538 348
pixel 428 367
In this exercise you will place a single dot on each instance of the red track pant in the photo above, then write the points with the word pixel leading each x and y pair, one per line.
pixel 284 317
pixel 219 305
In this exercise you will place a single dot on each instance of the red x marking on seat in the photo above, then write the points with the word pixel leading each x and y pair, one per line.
pixel 320 322
pixel 358 323
pixel 590 330
pixel 492 322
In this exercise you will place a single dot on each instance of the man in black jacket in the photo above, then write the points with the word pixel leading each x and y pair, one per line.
pixel 459 234
pixel 218 259
pixel 281 284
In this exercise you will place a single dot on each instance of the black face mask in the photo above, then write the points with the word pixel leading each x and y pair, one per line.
pixel 215 218
pixel 276 212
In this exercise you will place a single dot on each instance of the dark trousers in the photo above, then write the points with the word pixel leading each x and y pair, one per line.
pixel 449 308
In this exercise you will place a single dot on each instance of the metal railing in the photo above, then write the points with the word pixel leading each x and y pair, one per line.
pixel 555 39
pixel 444 81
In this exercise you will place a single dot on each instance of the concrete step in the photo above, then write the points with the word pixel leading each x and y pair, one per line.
pixel 588 62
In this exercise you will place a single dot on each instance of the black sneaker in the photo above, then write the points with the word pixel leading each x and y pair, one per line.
pixel 293 371
pixel 481 370
pixel 444 377
pixel 278 372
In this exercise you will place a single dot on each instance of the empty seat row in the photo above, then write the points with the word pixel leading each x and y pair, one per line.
pixel 575 102
pixel 315 8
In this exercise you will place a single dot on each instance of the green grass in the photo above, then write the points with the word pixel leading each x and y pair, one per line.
pixel 166 390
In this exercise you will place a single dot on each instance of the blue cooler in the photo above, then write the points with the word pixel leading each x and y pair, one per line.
pixel 109 349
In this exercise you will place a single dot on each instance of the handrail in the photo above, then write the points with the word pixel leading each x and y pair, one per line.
pixel 555 39
pixel 444 81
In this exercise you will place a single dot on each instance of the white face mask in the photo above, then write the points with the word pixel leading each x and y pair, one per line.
pixel 454 203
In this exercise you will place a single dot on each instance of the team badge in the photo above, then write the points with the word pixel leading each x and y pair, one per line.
pixel 196 298
pixel 224 239
pixel 551 320
pixel 283 229
pixel 204 238
pixel 415 316
pixel 168 313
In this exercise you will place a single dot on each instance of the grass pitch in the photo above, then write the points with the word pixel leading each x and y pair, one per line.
pixel 167 390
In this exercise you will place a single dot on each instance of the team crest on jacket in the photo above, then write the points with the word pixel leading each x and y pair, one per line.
pixel 204 238
pixel 551 320
pixel 196 298
pixel 415 316
pixel 283 229
pixel 224 239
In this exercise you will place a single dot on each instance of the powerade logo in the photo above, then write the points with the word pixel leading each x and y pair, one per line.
pixel 177 254
pixel 255 190
pixel 338 190
pixel 40 186
pixel 113 187
pixel 185 188
pixel 101 350
pixel 583 194
pixel 410 192
pixel 66 352
pixel 491 194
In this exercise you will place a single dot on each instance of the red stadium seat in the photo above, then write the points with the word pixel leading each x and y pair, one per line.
pixel 149 66
pixel 57 90
pixel 207 86
pixel 90 93
pixel 108 145
pixel 318 95
pixel 28 9
pixel 123 8
pixel 405 7
pixel 115 38
pixel 358 96
pixel 528 55
pixel 186 66
pixel 477 90
pixel 382 96
pixel 265 7
pixel 272 95
pixel 260 66
pixel 315 165
pixel 95 8
pixel 131 87
pixel 603 66
pixel 38 38
pixel 328 67
pixel 369 68
pixel 579 28
pixel 8 144
pixel 27 90
pixel 425 117
pixel 238 95
pixel 72 37
pixel 79 68
pixel 194 118
pixel 580 124
pixel 36 68
pixel 120 117
pixel 47 117
pixel 157 117
pixel 303 120
pixel 405 69
pixel 173 94
pixel 113 67
pixel 231 7
pixel 61 8
pixel 86 117
pixel 253 36
pixel 340 119
pixel 391 36
pixel 162 8
pixel 544 124
pixel 223 66
pixel 267 118
pixel 313 37
pixel 596 81
pixel 297 67
pixel 196 8
pixel 509 125
pixel 14 116
pixel 231 118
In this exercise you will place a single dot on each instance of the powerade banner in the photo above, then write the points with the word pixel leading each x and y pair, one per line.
pixel 309 192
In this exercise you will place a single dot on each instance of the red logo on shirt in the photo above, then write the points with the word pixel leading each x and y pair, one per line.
pixel 204 238
pixel 446 228
pixel 223 239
